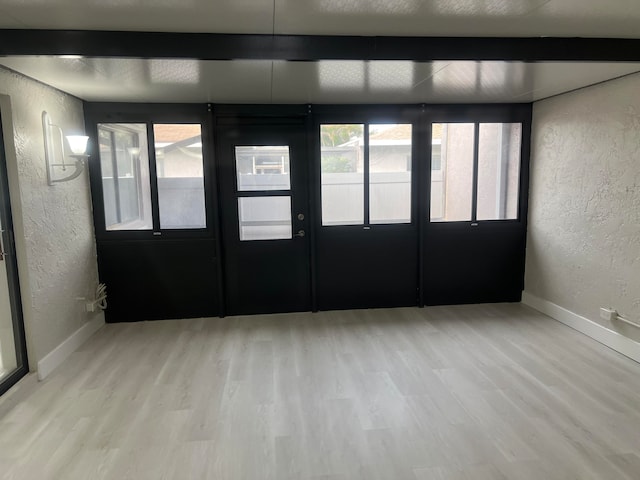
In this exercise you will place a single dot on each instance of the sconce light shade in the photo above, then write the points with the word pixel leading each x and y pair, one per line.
pixel 58 165
pixel 78 144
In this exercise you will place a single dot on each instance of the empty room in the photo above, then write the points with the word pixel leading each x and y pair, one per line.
pixel 320 240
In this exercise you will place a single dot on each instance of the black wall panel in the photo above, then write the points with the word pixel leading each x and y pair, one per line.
pixel 159 279
pixel 360 268
pixel 478 266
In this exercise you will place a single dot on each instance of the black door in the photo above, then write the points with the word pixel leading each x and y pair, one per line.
pixel 264 202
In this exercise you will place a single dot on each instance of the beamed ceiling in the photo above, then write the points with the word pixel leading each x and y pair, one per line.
pixel 352 51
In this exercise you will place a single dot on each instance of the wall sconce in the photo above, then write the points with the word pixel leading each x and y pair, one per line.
pixel 77 145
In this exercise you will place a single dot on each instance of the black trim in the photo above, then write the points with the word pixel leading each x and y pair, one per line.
pixel 222 46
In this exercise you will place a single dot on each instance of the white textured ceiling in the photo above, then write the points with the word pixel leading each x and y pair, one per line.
pixel 266 81
pixel 585 18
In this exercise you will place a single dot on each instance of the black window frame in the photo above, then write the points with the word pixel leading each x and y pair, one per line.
pixel 150 115
pixel 481 114
pixel 367 115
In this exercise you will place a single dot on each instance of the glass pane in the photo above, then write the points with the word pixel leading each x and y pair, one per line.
pixel 124 164
pixel 498 170
pixel 451 171
pixel 263 168
pixel 180 175
pixel 342 174
pixel 264 218
pixel 390 173
pixel 8 357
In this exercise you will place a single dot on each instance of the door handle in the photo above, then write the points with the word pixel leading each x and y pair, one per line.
pixel 299 234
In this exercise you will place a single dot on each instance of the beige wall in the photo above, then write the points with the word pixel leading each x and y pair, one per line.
pixel 583 248
pixel 53 224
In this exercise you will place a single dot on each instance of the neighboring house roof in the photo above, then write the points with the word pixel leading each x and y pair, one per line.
pixel 403 132
pixel 397 132
pixel 166 134
pixel 436 130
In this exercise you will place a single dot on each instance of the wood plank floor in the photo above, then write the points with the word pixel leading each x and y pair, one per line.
pixel 465 392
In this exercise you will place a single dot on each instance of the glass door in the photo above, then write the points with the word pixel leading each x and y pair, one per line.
pixel 13 362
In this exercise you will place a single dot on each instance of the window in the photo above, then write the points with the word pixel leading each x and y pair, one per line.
pixel 180 173
pixel 452 182
pixel 342 174
pixel 365 173
pixel 475 171
pixel 390 173
pixel 124 164
pixel 263 168
pixel 129 187
pixel 264 218
pixel 498 170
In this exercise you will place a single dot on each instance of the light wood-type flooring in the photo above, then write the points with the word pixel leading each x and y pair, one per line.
pixel 464 392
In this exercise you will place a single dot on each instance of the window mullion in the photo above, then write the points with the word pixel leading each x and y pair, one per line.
pixel 474 195
pixel 366 175
pixel 153 180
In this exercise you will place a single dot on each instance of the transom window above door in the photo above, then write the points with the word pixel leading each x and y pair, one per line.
pixel 365 172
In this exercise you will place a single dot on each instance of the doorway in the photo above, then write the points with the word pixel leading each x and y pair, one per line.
pixel 264 216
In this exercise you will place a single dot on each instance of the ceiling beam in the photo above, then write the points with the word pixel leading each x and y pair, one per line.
pixel 217 46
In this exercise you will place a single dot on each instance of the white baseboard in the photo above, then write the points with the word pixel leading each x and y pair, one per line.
pixel 604 335
pixel 59 354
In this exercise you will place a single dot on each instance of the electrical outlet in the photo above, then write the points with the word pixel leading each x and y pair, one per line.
pixel 90 306
pixel 608 314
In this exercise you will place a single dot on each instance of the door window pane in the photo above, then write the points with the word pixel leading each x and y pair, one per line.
pixel 452 181
pixel 124 164
pixel 498 170
pixel 180 173
pixel 264 218
pixel 262 168
pixel 390 173
pixel 342 174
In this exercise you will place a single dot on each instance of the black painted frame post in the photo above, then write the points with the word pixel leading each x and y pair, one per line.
pixel 210 134
pixel 423 187
pixel 525 165
pixel 312 197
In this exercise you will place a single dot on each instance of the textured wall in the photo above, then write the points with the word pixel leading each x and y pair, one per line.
pixel 54 229
pixel 583 248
